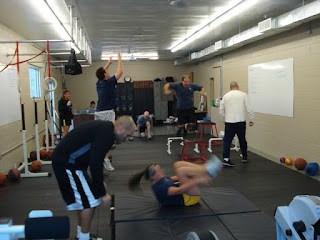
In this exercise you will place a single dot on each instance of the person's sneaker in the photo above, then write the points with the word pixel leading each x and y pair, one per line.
pixel 244 160
pixel 149 137
pixel 93 237
pixel 113 146
pixel 107 165
pixel 214 166
pixel 228 163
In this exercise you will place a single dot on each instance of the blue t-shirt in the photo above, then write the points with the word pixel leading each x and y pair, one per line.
pixel 185 95
pixel 142 121
pixel 106 94
pixel 160 190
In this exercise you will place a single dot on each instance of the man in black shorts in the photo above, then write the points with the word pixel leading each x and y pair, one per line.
pixel 185 106
pixel 86 146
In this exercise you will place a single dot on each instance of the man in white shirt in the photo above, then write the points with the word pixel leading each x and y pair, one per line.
pixel 232 113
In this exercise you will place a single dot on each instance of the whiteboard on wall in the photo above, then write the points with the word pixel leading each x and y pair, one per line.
pixel 270 87
pixel 9 96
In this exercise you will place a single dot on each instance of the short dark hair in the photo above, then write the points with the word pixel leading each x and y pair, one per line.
pixel 100 73
pixel 92 102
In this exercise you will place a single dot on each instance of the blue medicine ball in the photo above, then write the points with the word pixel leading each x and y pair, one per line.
pixel 312 169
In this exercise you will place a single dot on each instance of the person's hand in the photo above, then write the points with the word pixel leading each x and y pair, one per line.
pixel 68 103
pixel 106 199
pixel 251 124
pixel 167 92
pixel 119 56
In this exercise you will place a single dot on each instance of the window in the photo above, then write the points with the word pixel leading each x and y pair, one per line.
pixel 35 82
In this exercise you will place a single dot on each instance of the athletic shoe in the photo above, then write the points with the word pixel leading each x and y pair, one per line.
pixel 244 160
pixel 214 166
pixel 113 146
pixel 228 163
pixel 107 165
pixel 92 237
pixel 149 137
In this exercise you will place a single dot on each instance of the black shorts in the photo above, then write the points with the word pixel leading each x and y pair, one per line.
pixel 143 128
pixel 185 116
pixel 76 188
pixel 65 121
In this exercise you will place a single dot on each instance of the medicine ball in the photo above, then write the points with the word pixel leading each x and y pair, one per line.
pixel 288 161
pixel 43 154
pixel 33 156
pixel 300 163
pixel 13 175
pixel 312 169
pixel 36 166
pixel 49 153
pixel 3 179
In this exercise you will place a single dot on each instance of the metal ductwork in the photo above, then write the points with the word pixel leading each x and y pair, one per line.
pixel 264 29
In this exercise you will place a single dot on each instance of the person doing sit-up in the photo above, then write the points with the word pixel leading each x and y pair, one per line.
pixel 181 189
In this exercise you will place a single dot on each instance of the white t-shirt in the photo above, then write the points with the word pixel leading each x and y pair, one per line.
pixel 233 107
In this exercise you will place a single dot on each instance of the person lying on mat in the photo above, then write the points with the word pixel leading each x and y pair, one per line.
pixel 181 189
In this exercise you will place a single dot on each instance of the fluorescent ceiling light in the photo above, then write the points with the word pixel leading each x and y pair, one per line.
pixel 58 18
pixel 233 9
pixel 131 56
pixel 50 19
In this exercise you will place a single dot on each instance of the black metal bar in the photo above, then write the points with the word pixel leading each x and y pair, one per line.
pixel 22 116
pixel 51 108
pixel 45 110
pixel 35 112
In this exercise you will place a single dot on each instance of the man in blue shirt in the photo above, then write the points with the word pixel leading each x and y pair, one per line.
pixel 144 121
pixel 106 89
pixel 185 106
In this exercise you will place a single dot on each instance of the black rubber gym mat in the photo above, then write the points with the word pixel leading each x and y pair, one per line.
pixel 168 229
pixel 133 207
pixel 254 225
pixel 226 200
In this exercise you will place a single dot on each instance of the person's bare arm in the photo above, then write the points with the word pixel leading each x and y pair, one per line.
pixel 166 89
pixel 108 63
pixel 203 92
pixel 182 188
pixel 119 72
pixel 174 178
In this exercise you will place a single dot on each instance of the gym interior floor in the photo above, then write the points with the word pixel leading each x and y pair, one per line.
pixel 265 183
